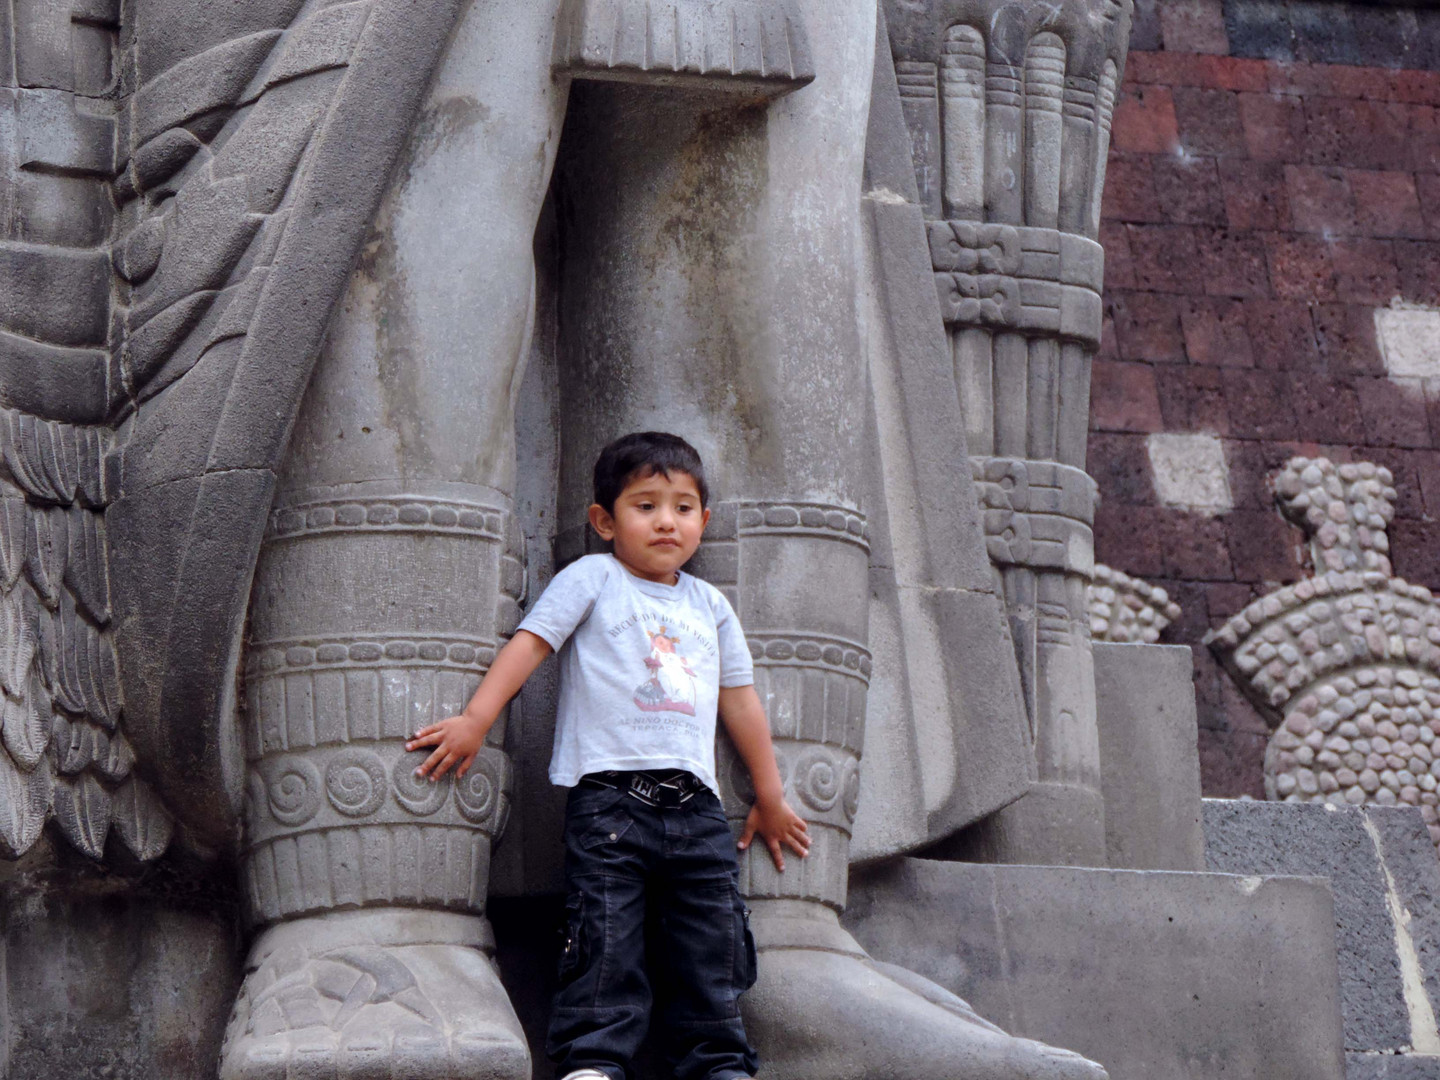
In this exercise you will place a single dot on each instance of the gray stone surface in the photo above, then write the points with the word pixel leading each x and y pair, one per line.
pixel 1386 883
pixel 1153 974
pixel 110 974
pixel 934 602
pixel 1009 161
pixel 1392 1066
pixel 1149 769
pixel 737 45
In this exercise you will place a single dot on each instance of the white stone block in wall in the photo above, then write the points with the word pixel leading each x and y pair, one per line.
pixel 1190 473
pixel 1409 340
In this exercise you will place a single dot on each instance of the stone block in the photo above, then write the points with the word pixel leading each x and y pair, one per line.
pixel 1149 772
pixel 1232 263
pixel 111 975
pixel 1254 194
pixel 1209 122
pixel 1124 397
pixel 1386 880
pixel 1153 974
pixel 1145 121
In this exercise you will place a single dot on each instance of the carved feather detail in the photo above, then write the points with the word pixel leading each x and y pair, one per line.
pixel 82 810
pixel 142 821
pixel 24 806
pixel 62 753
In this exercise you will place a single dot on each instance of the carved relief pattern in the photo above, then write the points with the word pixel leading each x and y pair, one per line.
pixel 1034 280
pixel 186 285
pixel 362 982
pixel 824 654
pixel 804 519
pixel 410 514
pixel 317 820
pixel 1037 513
pixel 1009 160
pixel 1127 609
pixel 335 814
pixel 746 44
pixel 1346 664
pixel 822 782
pixel 63 751
pixel 813 686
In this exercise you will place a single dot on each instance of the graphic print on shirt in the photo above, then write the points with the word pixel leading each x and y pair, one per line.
pixel 671 686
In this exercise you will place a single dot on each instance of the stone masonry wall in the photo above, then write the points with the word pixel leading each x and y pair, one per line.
pixel 1272 228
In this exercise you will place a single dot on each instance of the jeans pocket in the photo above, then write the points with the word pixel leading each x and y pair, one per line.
pixel 604 828
pixel 747 963
pixel 574 946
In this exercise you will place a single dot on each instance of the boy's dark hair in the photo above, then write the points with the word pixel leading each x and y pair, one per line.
pixel 641 454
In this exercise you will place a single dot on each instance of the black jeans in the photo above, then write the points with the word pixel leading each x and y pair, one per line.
pixel 653 912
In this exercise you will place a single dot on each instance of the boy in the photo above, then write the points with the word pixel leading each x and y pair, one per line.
pixel 647 655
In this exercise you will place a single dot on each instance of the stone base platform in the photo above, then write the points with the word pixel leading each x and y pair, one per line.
pixel 1386 881
pixel 1157 975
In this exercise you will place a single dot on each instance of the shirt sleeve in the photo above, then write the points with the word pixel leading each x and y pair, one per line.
pixel 736 667
pixel 566 602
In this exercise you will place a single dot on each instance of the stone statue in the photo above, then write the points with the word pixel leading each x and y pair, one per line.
pixel 278 283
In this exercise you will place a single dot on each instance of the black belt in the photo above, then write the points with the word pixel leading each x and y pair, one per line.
pixel 663 789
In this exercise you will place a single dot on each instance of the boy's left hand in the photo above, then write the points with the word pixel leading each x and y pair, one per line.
pixel 776 823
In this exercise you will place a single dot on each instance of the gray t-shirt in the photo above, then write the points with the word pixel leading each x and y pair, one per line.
pixel 641 666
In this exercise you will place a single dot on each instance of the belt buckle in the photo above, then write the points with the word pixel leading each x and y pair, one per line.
pixel 645 789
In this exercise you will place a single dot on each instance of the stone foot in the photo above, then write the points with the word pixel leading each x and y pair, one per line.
pixel 387 993
pixel 822 1007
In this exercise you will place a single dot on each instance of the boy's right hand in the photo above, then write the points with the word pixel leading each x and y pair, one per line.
pixel 457 739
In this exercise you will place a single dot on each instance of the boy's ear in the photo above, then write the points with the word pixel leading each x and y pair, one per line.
pixel 704 519
pixel 602 522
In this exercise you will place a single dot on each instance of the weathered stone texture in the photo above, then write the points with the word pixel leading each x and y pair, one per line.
pixel 1386 882
pixel 1236 975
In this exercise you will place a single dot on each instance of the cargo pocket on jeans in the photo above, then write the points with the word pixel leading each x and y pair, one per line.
pixel 746 963
pixel 574 948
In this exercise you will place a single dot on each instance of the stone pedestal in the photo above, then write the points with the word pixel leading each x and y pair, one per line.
pixel 1149 769
pixel 1153 974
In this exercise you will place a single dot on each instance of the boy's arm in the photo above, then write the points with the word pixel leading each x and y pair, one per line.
pixel 771 816
pixel 458 739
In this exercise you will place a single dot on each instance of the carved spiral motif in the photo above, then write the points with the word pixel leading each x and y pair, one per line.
pixel 850 788
pixel 294 791
pixel 355 782
pixel 477 792
pixel 420 797
pixel 817 781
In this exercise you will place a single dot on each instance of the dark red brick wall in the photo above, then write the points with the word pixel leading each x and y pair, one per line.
pixel 1257 211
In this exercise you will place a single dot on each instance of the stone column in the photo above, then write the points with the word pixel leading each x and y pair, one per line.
pixel 1009 110
pixel 391 573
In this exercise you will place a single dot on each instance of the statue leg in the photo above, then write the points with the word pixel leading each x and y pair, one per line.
pixel 391 573
pixel 738 330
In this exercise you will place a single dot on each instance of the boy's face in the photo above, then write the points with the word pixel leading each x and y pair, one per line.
pixel 656 525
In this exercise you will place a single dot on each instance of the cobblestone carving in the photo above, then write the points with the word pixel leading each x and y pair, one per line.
pixel 1127 609
pixel 1345 664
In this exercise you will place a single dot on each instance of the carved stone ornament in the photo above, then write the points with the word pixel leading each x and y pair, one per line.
pixel 1127 609
pixel 1009 111
pixel 1345 664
